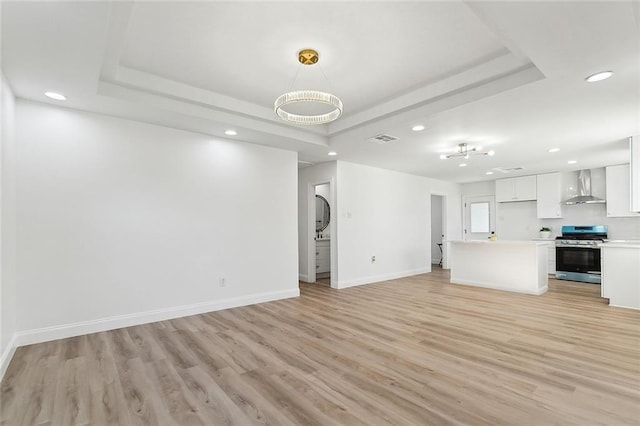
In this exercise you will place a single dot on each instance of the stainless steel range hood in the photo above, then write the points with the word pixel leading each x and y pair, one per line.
pixel 584 190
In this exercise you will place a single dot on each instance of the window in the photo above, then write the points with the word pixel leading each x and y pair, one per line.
pixel 479 217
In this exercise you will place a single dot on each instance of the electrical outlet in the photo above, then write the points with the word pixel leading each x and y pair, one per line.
pixel 373 259
pixel 223 282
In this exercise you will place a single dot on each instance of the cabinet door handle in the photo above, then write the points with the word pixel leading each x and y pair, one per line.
pixel 317 253
pixel 317 266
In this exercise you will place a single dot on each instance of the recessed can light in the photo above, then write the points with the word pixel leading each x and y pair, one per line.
pixel 488 173
pixel 332 153
pixel 418 128
pixel 599 76
pixel 462 164
pixel 554 150
pixel 571 162
pixel 491 153
pixel 56 96
pixel 230 132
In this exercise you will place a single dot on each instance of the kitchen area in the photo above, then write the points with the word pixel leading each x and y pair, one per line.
pixel 588 220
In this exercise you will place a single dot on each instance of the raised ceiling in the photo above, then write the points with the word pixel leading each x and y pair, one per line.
pixel 509 76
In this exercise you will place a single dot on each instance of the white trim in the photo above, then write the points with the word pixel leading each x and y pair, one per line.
pixel 624 307
pixel 435 261
pixel 7 355
pixel 385 277
pixel 93 326
pixel 497 287
pixel 304 278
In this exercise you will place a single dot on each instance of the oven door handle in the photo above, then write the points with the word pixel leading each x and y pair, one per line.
pixel 578 246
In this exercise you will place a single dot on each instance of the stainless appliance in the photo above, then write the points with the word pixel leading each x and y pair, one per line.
pixel 578 253
pixel 584 191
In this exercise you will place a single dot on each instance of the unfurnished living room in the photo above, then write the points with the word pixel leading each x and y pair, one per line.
pixel 320 213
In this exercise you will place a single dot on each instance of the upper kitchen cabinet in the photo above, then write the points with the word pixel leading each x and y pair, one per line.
pixel 549 195
pixel 619 192
pixel 516 189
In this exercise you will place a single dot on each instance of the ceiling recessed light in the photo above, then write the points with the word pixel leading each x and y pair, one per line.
pixel 443 156
pixel 571 162
pixel 554 150
pixel 230 132
pixel 491 153
pixel 332 153
pixel 462 164
pixel 599 76
pixel 56 96
pixel 418 128
pixel 488 173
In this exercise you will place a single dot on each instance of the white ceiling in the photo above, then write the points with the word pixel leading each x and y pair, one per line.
pixel 508 76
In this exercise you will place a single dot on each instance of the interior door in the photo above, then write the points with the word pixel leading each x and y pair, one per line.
pixel 479 217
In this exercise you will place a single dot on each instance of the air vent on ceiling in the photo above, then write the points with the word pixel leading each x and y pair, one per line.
pixel 383 139
pixel 303 164
pixel 507 169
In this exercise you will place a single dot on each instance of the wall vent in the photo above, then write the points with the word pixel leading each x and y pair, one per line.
pixel 382 139
pixel 303 164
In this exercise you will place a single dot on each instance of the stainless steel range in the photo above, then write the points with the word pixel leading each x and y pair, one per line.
pixel 578 253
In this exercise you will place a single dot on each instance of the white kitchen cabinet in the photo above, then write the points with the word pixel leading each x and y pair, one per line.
pixel 620 263
pixel 618 191
pixel 323 256
pixel 516 189
pixel 549 196
pixel 551 254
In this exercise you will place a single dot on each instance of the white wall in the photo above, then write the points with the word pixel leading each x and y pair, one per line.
pixel 436 227
pixel 132 222
pixel 8 226
pixel 385 214
pixel 308 177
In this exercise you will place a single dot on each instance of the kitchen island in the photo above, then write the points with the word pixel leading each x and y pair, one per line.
pixel 519 266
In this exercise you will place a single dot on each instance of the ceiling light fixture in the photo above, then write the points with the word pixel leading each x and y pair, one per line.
pixel 230 132
pixel 488 173
pixel 599 76
pixel 418 128
pixel 332 153
pixel 554 150
pixel 465 151
pixel 56 96
pixel 308 57
pixel 462 164
pixel 571 162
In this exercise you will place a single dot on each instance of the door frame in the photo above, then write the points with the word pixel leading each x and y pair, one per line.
pixel 445 250
pixel 493 224
pixel 311 231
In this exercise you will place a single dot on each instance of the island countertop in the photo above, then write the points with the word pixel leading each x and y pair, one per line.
pixel 525 242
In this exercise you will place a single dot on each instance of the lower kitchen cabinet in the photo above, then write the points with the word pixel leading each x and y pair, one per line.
pixel 620 263
pixel 323 256
pixel 551 255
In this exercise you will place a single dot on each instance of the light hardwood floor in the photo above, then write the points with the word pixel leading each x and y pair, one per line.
pixel 411 351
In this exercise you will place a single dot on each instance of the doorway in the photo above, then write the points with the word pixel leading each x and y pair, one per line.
pixel 438 226
pixel 479 217
pixel 322 238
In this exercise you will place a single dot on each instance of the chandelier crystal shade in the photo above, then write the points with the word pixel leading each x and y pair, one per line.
pixel 308 57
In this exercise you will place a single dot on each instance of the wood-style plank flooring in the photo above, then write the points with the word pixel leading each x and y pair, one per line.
pixel 413 351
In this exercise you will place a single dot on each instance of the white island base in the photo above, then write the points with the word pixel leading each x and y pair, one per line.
pixel 519 266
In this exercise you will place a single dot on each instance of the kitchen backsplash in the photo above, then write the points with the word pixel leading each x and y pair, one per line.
pixel 518 221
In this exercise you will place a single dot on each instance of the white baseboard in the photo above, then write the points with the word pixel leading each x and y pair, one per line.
pixel 385 277
pixel 86 327
pixel 435 261
pixel 7 355
pixel 537 292
pixel 303 277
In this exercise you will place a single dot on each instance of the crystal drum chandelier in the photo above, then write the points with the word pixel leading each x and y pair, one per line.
pixel 308 57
